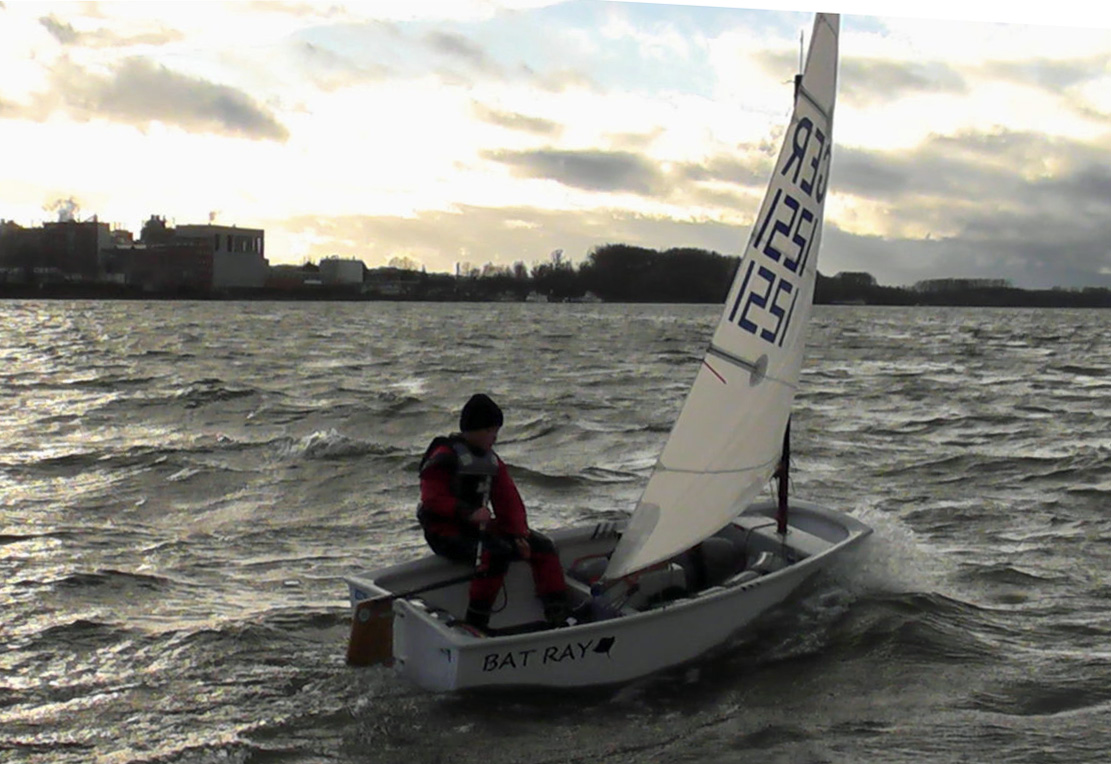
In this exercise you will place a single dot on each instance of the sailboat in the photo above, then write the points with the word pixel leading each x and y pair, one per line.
pixel 700 557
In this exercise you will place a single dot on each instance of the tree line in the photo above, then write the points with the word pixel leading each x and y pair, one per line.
pixel 627 273
pixel 613 273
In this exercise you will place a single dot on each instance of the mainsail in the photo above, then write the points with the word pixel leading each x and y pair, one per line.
pixel 728 438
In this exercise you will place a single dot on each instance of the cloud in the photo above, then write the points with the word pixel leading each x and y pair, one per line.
pixel 702 183
pixel 868 81
pixel 729 168
pixel 1051 75
pixel 1032 207
pixel 301 10
pixel 560 80
pixel 459 48
pixel 331 71
pixel 139 92
pixel 63 33
pixel 872 174
pixel 593 170
pixel 777 62
pixel 66 34
pixel 514 121
pixel 635 141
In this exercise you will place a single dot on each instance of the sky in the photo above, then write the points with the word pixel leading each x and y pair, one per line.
pixel 972 140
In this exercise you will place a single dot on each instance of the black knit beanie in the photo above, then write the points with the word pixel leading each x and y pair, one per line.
pixel 479 413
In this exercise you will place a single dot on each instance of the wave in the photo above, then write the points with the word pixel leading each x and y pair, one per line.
pixel 80 633
pixel 254 635
pixel 612 427
pixel 1084 686
pixel 532 429
pixel 293 620
pixel 678 357
pixel 537 479
pixel 330 444
pixel 565 481
pixel 1089 491
pixel 45 746
pixel 106 459
pixel 1010 575
pixel 1080 371
pixel 165 354
pixel 109 382
pixel 201 453
pixel 154 394
pixel 610 475
pixel 61 535
pixel 1020 467
pixel 113 578
pixel 921 626
pixel 392 402
pixel 206 391
pixel 970 427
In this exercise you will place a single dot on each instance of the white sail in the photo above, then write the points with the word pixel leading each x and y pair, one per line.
pixel 728 438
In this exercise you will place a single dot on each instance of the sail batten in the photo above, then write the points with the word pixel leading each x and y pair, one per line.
pixel 733 471
pixel 751 366
pixel 728 438
pixel 727 356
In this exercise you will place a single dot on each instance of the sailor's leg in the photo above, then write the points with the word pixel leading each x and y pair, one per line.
pixel 490 570
pixel 547 575
pixel 456 548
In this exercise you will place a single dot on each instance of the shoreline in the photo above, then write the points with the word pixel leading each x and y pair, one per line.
pixel 1001 298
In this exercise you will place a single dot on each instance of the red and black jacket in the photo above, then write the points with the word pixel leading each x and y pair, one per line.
pixel 456 479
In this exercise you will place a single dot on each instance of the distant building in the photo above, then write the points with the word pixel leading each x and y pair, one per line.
pixel 335 271
pixel 293 277
pixel 190 258
pixel 74 248
pixel 19 248
pixel 155 231
pixel 238 254
pixel 176 266
pixel 64 251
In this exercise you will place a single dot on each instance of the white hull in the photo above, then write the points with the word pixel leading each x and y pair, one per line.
pixel 431 650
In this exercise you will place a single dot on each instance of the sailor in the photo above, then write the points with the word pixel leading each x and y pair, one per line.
pixel 471 511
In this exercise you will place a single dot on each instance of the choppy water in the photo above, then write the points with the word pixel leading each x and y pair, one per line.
pixel 182 485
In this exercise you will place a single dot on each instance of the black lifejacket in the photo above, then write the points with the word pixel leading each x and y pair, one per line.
pixel 472 473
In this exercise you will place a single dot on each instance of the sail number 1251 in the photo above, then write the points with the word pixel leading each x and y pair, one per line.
pixel 783 239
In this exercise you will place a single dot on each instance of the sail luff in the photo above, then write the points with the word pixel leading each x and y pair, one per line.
pixel 727 441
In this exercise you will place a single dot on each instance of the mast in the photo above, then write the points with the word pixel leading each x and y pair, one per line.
pixel 783 474
pixel 798 77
